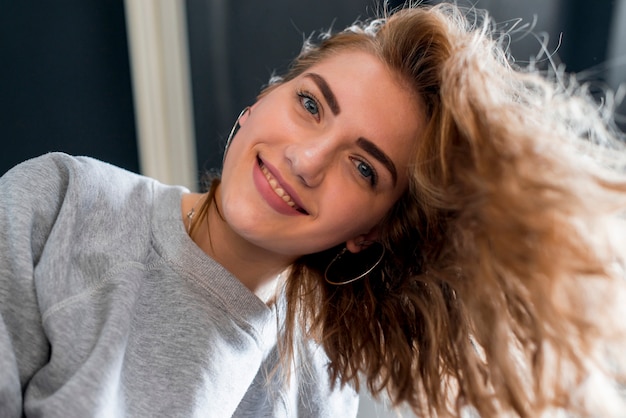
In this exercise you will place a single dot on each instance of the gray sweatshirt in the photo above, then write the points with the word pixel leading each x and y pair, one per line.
pixel 107 309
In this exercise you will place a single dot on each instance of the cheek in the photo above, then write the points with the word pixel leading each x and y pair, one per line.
pixel 355 213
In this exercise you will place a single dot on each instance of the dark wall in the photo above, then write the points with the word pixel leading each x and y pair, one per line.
pixel 65 81
pixel 575 33
pixel 586 30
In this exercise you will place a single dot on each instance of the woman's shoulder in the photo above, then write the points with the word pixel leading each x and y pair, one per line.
pixel 80 197
pixel 55 172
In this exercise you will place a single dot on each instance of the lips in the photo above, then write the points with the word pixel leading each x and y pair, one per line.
pixel 281 190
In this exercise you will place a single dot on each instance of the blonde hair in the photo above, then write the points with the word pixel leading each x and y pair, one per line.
pixel 499 283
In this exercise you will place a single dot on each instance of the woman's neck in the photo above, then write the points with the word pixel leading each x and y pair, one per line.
pixel 257 268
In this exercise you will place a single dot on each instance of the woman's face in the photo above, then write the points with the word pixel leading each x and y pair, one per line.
pixel 319 160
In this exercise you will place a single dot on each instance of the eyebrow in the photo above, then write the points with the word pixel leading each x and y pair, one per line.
pixel 371 148
pixel 326 92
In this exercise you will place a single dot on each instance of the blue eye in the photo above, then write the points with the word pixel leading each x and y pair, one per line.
pixel 309 103
pixel 366 171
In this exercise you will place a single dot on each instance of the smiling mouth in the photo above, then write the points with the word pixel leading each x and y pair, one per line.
pixel 280 192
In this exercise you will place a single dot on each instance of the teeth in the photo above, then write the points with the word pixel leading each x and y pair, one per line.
pixel 278 190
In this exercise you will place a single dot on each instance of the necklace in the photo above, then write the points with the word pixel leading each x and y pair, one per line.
pixel 191 214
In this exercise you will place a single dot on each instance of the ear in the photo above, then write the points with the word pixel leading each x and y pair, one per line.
pixel 244 115
pixel 361 242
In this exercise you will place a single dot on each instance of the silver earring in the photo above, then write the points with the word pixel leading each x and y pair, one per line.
pixel 233 131
pixel 338 270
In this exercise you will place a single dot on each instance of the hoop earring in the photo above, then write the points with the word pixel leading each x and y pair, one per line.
pixel 233 131
pixel 341 264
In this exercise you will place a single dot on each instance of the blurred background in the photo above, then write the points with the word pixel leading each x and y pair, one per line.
pixel 154 86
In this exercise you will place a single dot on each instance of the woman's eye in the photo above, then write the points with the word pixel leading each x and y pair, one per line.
pixel 309 104
pixel 365 170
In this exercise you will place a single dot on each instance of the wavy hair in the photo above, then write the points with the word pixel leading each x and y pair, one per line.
pixel 497 287
pixel 503 275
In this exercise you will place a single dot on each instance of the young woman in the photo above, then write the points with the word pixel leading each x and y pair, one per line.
pixel 402 210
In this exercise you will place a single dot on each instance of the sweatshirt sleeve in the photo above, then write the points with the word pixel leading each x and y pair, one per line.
pixel 30 197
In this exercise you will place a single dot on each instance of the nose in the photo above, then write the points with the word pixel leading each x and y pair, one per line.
pixel 309 159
